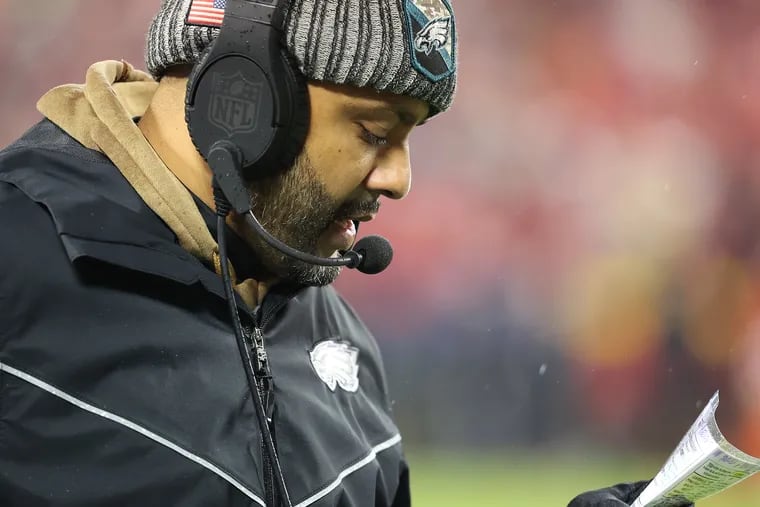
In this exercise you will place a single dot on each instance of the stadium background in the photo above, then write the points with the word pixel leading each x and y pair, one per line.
pixel 577 268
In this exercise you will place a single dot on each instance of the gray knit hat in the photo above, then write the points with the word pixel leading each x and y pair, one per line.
pixel 405 47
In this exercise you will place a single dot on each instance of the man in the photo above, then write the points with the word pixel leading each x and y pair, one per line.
pixel 121 381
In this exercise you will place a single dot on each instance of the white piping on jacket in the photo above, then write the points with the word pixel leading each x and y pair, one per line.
pixel 353 468
pixel 187 454
pixel 134 427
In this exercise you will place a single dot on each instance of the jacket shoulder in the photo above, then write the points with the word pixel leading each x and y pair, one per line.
pixel 31 254
pixel 46 138
pixel 23 222
pixel 44 161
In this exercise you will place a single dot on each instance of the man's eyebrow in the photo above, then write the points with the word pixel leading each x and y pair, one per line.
pixel 403 114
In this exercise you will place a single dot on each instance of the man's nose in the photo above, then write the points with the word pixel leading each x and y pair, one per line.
pixel 392 174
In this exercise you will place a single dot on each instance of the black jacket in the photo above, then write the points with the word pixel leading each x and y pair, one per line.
pixel 120 378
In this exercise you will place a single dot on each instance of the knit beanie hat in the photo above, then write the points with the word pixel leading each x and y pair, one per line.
pixel 405 47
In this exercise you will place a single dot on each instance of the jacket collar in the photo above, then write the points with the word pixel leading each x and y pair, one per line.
pixel 98 115
pixel 97 214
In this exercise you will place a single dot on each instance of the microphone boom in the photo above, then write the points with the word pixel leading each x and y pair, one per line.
pixel 371 255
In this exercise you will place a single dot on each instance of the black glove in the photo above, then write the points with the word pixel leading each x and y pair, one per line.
pixel 615 496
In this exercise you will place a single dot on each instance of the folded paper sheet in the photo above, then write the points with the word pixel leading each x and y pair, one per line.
pixel 704 463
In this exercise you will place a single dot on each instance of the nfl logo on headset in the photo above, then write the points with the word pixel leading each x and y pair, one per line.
pixel 432 32
pixel 234 104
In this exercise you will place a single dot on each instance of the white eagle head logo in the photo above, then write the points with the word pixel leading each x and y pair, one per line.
pixel 433 35
pixel 336 364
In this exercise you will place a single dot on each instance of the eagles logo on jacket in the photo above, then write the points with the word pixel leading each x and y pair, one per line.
pixel 120 378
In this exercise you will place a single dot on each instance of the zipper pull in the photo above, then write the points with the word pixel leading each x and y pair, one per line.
pixel 257 349
pixel 263 373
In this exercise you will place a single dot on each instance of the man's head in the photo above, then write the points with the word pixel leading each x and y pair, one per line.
pixel 356 151
pixel 376 68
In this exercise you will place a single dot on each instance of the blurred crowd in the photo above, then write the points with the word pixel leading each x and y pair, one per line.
pixel 578 260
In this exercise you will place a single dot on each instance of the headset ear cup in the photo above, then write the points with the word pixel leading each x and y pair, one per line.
pixel 277 158
pixel 272 143
pixel 291 139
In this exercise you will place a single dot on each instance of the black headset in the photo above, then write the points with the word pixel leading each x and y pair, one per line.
pixel 247 93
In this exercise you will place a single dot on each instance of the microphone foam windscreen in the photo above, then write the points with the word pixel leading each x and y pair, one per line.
pixel 376 252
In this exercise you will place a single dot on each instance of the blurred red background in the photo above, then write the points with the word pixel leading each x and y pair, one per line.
pixel 578 258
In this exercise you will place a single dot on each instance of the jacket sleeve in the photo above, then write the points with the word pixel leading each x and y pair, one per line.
pixel 22 468
pixel 25 228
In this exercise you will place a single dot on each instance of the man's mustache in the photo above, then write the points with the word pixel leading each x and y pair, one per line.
pixel 355 209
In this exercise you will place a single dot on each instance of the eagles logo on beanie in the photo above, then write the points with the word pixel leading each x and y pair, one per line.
pixel 405 47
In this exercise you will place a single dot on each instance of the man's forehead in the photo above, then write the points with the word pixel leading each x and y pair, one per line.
pixel 408 110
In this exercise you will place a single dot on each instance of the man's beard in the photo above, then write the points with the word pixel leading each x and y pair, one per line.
pixel 296 208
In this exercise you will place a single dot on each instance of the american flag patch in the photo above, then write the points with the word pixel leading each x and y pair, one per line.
pixel 206 12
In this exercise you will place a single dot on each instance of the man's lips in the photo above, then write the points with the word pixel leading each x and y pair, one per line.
pixel 345 224
pixel 353 221
pixel 359 211
pixel 339 235
pixel 365 218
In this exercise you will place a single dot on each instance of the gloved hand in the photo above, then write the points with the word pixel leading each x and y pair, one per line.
pixel 616 496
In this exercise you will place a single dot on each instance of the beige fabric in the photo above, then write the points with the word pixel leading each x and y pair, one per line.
pixel 99 114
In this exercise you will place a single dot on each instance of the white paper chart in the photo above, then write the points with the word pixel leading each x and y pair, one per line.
pixel 704 463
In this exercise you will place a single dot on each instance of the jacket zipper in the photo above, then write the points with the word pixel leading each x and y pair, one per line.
pixel 265 387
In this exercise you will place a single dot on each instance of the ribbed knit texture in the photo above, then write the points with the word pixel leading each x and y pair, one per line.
pixel 364 43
